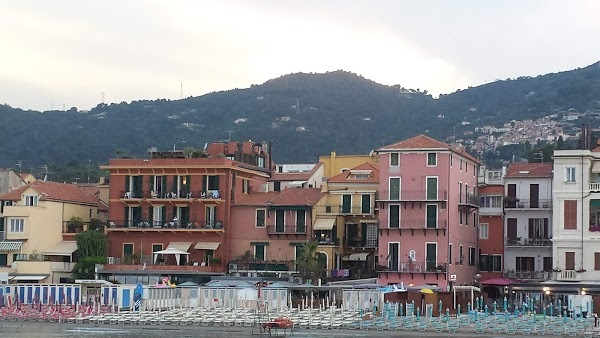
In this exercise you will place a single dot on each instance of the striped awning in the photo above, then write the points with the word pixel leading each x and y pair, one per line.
pixel 181 246
pixel 64 248
pixel 324 224
pixel 207 245
pixel 10 246
pixel 596 167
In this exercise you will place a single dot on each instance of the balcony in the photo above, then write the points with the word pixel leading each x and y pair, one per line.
pixel 416 267
pixel 149 225
pixel 170 195
pixel 43 266
pixel 440 195
pixel 357 242
pixel 418 225
pixel 528 204
pixel 70 227
pixel 344 210
pixel 526 275
pixel 567 276
pixel 470 200
pixel 287 230
pixel 527 242
pixel 595 187
pixel 328 241
pixel 162 268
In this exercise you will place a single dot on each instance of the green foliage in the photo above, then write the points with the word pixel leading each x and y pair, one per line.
pixel 85 268
pixel 91 243
pixel 308 264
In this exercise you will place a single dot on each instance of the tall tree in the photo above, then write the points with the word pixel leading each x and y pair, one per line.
pixel 91 247
pixel 307 261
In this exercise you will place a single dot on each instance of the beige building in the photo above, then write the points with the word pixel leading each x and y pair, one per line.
pixel 38 244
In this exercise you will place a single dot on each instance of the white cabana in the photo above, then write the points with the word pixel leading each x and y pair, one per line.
pixel 170 251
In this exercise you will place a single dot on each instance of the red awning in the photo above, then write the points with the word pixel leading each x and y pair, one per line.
pixel 499 281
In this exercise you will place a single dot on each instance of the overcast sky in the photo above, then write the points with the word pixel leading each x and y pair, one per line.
pixel 65 53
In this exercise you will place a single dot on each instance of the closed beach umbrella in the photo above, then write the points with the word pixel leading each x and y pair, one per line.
pixel 505 304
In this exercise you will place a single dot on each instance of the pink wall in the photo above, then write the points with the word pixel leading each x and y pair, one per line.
pixel 413 172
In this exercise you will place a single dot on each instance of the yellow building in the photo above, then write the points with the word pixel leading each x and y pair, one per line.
pixel 36 242
pixel 346 225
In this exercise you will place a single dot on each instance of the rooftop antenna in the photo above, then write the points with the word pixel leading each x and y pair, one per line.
pixel 229 132
pixel 76 179
pixel 20 165
pixel 181 91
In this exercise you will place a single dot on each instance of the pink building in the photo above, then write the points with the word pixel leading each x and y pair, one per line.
pixel 268 227
pixel 428 214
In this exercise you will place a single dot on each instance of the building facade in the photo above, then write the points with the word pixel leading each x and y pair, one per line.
pixel 528 221
pixel 491 224
pixel 428 213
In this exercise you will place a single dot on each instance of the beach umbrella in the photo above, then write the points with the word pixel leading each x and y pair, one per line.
pixel 447 313
pixel 458 310
pixel 551 308
pixel 418 313
pixel 486 309
pixel 400 306
pixel 468 307
pixel 505 304
pixel 440 308
pixel 477 303
pixel 495 306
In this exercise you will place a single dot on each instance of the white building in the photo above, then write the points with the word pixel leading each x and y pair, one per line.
pixel 528 221
pixel 576 241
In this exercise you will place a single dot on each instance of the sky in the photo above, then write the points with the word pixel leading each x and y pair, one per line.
pixel 78 53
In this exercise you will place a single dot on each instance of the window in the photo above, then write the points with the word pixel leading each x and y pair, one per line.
pixel 394 219
pixel 394 188
pixel 31 200
pixel 394 159
pixel 17 225
pixel 431 159
pixel 460 192
pixel 472 256
pixel 484 230
pixel 432 192
pixel 3 204
pixel 461 165
pixel 346 204
pixel 450 253
pixel 259 251
pixel 474 171
pixel 158 215
pixel 365 204
pixel 155 248
pixel 570 214
pixel 260 218
pixel 570 174
pixel 301 221
pixel 210 216
pixel 127 249
pixel 461 257
pixel 596 261
pixel 431 216
pixel 393 256
pixel 525 263
pixel 451 160
pixel 213 182
pixel 490 201
pixel 431 256
pixel 280 221
pixel 569 260
pixel 490 263
pixel 538 228
pixel 276 186
pixel 245 186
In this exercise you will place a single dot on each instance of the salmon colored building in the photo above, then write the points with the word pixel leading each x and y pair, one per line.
pixel 491 231
pixel 428 213
pixel 268 227
pixel 171 214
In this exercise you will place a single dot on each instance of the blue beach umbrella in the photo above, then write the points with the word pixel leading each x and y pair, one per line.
pixel 418 313
pixel 447 313
pixel 458 310
pixel 505 304
pixel 486 309
pixel 440 308
pixel 495 306
pixel 469 307
pixel 477 303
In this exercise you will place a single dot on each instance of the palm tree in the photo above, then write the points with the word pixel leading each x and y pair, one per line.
pixel 307 262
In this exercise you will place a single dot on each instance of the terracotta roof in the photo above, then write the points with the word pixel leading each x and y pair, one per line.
pixel 425 142
pixel 287 197
pixel 344 176
pixel 596 150
pixel 529 170
pixel 52 191
pixel 301 176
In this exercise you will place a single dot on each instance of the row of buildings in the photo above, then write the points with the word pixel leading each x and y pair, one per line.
pixel 415 212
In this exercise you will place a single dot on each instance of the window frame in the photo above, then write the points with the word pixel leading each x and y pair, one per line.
pixel 390 216
pixel 31 200
pixel 398 261
pixel 485 226
pixel 390 197
pixel 394 159
pixel 570 174
pixel 256 225
pixel 17 225
pixel 431 160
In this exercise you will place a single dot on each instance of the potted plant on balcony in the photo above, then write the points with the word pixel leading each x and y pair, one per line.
pixel 75 225
pixel 214 261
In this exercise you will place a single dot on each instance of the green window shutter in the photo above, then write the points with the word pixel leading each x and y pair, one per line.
pixel 164 184
pixel 151 215
pixel 431 216
pixel 163 215
pixel 204 178
pixel 174 212
pixel 126 219
pixel 127 183
pixel 152 182
pixel 188 184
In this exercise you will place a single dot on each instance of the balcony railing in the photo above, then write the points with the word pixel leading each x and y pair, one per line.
pixel 328 241
pixel 413 195
pixel 75 228
pixel 527 241
pixel 360 243
pixel 417 225
pixel 567 275
pixel 469 199
pixel 594 186
pixel 526 274
pixel 285 229
pixel 344 209
pixel 528 204
pixel 417 267
pixel 159 225
pixel 160 195
pixel 180 268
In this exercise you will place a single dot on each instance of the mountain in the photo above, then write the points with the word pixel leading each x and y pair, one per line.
pixel 305 115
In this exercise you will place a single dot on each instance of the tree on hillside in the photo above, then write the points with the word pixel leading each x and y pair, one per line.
pixel 307 261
